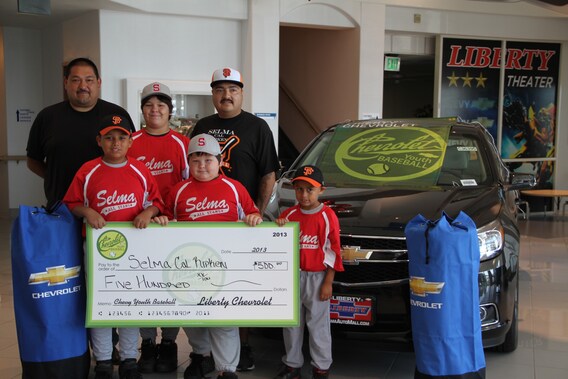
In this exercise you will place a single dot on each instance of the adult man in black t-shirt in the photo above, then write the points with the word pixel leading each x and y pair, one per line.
pixel 249 153
pixel 63 135
pixel 249 156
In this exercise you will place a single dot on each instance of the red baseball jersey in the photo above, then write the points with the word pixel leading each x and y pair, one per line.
pixel 319 237
pixel 221 199
pixel 164 155
pixel 117 192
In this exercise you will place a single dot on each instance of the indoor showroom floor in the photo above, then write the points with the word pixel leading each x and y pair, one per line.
pixel 543 322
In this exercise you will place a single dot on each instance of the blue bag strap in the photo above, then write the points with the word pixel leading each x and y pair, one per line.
pixel 429 225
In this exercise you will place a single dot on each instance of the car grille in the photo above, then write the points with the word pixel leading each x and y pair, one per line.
pixel 389 261
pixel 376 243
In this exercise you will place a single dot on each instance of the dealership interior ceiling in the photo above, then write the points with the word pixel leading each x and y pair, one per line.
pixel 50 12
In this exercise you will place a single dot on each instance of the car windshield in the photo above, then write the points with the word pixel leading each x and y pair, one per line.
pixel 370 156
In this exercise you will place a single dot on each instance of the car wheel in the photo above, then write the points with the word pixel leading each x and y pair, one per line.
pixel 512 338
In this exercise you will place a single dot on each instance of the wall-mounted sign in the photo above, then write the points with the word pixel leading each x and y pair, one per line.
pixel 470 89
pixel 24 115
pixel 266 115
pixel 392 63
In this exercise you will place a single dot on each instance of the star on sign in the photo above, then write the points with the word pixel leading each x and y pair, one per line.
pixel 467 80
pixel 480 80
pixel 453 79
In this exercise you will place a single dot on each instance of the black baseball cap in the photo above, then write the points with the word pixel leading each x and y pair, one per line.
pixel 114 122
pixel 310 174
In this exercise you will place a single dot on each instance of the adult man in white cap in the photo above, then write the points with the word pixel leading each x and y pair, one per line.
pixel 248 151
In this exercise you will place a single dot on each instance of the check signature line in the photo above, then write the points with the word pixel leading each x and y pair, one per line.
pixel 236 281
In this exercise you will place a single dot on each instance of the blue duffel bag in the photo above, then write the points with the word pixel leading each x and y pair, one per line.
pixel 49 294
pixel 444 297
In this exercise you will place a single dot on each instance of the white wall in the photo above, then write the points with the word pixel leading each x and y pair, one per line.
pixel 475 24
pixel 261 61
pixel 23 63
pixel 155 47
pixel 81 38
pixel 52 64
pixel 34 79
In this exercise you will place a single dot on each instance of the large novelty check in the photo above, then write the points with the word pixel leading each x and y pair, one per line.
pixel 193 274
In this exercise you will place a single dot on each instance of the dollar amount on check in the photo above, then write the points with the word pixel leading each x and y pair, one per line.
pixel 193 274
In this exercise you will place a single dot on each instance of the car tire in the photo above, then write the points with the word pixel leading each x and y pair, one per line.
pixel 512 337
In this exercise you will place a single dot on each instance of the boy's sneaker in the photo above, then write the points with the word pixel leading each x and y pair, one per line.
pixel 166 356
pixel 319 374
pixel 228 375
pixel 246 360
pixel 199 366
pixel 103 370
pixel 128 369
pixel 287 372
pixel 147 360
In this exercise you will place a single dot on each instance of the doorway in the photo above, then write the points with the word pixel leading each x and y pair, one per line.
pixel 409 92
pixel 319 83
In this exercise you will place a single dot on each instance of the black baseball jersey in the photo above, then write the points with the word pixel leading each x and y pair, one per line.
pixel 247 146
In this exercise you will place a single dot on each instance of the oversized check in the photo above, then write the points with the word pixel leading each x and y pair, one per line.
pixel 193 274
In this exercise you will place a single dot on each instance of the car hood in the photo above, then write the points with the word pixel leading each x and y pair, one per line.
pixel 386 211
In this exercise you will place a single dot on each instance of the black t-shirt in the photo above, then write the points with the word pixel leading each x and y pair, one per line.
pixel 65 139
pixel 247 146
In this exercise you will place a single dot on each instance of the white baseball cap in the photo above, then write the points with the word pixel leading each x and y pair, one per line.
pixel 227 74
pixel 154 89
pixel 204 143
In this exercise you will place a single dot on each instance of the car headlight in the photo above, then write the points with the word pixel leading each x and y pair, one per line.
pixel 490 237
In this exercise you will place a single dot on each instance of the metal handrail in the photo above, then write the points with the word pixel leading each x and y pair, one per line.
pixel 300 109
pixel 16 158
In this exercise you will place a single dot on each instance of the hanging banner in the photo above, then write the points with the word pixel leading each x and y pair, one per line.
pixel 369 153
pixel 193 274
pixel 470 81
pixel 530 98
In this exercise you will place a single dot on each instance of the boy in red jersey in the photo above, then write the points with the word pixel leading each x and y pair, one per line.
pixel 210 196
pixel 164 152
pixel 114 188
pixel 320 257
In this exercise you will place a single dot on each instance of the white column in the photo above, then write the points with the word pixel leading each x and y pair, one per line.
pixel 261 58
pixel 371 74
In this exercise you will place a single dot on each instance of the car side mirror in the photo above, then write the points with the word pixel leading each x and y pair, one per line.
pixel 521 181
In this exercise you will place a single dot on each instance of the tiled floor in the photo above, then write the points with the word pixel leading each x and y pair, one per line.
pixel 543 324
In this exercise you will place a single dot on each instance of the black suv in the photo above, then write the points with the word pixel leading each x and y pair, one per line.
pixel 379 174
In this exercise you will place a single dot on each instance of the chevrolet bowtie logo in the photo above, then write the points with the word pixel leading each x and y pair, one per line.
pixel 420 287
pixel 55 275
